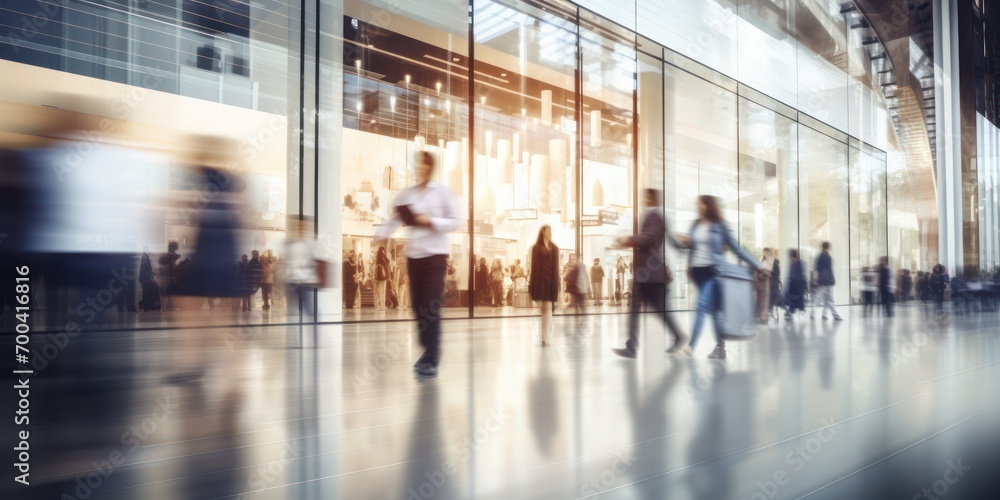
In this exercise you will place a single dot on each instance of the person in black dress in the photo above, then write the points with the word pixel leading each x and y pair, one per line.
pixel 210 272
pixel 544 284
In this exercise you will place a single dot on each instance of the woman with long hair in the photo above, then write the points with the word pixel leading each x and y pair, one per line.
pixel 544 284
pixel 709 237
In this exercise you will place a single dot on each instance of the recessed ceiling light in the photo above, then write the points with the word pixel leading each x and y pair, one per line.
pixel 454 59
pixel 503 74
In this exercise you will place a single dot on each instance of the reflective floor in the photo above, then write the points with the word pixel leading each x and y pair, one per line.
pixel 870 407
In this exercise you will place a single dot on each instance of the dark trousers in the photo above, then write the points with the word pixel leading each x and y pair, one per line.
pixel 300 302
pixel 265 290
pixel 426 295
pixel 887 299
pixel 867 299
pixel 655 295
pixel 350 292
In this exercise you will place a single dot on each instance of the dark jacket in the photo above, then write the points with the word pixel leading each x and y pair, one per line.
pixel 884 280
pixel 251 277
pixel 544 283
pixel 350 269
pixel 775 284
pixel 795 287
pixel 210 273
pixel 146 270
pixel 650 266
pixel 824 270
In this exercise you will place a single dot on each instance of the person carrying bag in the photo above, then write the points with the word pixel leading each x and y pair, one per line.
pixel 707 241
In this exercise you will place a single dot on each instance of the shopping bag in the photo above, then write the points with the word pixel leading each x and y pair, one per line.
pixel 734 317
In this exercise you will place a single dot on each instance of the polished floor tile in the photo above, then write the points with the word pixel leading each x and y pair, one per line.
pixel 870 407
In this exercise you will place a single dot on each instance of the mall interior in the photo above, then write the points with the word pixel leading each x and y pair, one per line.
pixel 131 131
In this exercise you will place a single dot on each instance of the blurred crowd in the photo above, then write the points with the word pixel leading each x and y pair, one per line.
pixel 88 213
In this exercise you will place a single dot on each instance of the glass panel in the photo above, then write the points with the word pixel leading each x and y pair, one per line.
pixel 525 146
pixel 868 216
pixel 651 159
pixel 608 181
pixel 767 48
pixel 700 123
pixel 768 181
pixel 823 198
pixel 704 31
pixel 405 90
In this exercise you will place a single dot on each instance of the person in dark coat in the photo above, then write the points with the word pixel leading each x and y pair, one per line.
pixel 251 279
pixel 241 280
pixel 795 291
pixel 350 280
pixel 775 296
pixel 209 272
pixel 150 290
pixel 649 285
pixel 544 284
pixel 885 289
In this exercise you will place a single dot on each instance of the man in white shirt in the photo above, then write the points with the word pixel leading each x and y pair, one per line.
pixel 428 209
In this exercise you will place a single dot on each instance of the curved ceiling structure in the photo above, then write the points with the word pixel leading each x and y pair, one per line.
pixel 901 34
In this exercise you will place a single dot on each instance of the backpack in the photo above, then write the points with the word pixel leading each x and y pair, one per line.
pixel 381 274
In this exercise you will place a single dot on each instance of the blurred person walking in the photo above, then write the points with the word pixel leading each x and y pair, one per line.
pixel 381 276
pixel 251 280
pixel 795 288
pixel 216 206
pixel 302 271
pixel 577 284
pixel 597 281
pixel 168 274
pixel 496 283
pixel 349 273
pixel 150 290
pixel 403 287
pixel 544 284
pixel 267 263
pixel 762 287
pixel 825 281
pixel 708 239
pixel 428 209
pixel 774 294
pixel 483 289
pixel 886 285
pixel 652 277
pixel 869 288
pixel 937 284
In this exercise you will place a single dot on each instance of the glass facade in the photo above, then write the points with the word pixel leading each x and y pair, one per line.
pixel 572 114
pixel 538 113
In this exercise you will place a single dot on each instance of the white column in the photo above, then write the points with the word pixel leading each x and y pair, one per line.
pixel 949 133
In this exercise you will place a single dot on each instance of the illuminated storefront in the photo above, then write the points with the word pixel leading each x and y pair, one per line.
pixel 538 112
